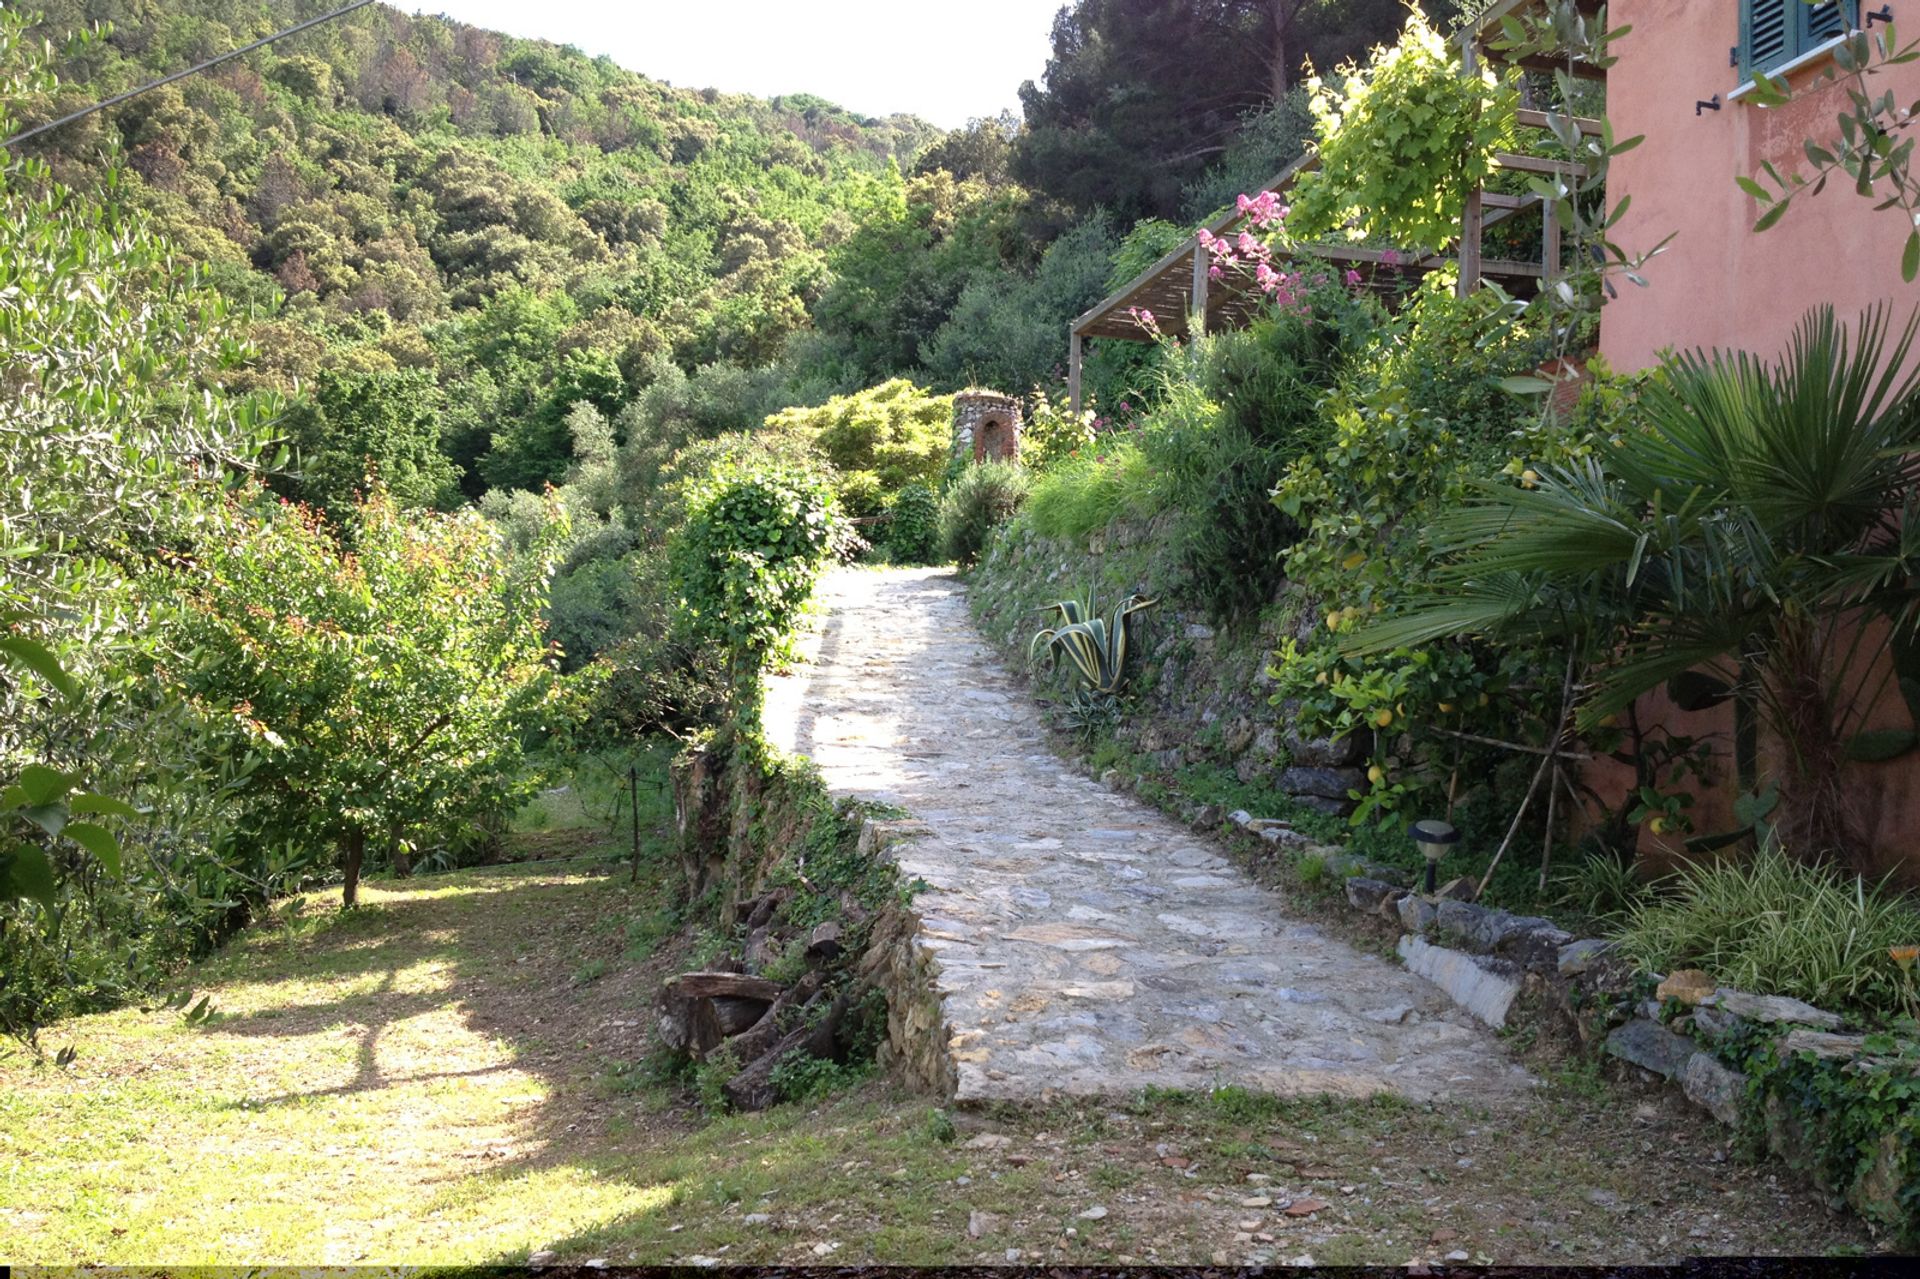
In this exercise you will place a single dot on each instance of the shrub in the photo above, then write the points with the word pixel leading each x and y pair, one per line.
pixel 913 533
pixel 755 540
pixel 1773 926
pixel 1402 141
pixel 981 499
pixel 1053 432
pixel 877 441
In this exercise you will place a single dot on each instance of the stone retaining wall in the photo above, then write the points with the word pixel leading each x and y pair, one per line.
pixel 1203 686
pixel 916 1046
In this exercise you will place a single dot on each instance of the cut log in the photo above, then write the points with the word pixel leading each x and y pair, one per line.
pixel 765 1033
pixel 699 1011
pixel 688 1024
pixel 753 1087
pixel 710 985
pixel 736 1016
pixel 759 912
pixel 823 945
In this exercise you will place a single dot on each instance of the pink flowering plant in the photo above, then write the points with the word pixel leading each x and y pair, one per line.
pixel 1257 255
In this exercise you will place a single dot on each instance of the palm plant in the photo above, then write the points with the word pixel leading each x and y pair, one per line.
pixel 1741 546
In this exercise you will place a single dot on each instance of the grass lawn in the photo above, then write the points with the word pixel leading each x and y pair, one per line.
pixel 455 1074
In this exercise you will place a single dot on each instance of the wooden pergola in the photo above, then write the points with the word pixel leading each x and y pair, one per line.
pixel 1184 299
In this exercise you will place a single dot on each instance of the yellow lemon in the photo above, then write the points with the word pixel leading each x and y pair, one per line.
pixel 1321 678
pixel 1658 825
pixel 1333 620
pixel 1383 720
pixel 1376 774
pixel 1530 479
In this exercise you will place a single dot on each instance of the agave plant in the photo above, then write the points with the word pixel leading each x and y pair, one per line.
pixel 1096 646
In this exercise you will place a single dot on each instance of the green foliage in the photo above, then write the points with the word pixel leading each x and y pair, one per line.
pixel 981 499
pixel 1851 1126
pixel 913 525
pixel 1774 926
pixel 1004 329
pixel 1408 439
pixel 745 563
pixel 878 441
pixel 379 695
pixel 800 1078
pixel 900 274
pixel 114 444
pixel 1137 99
pixel 1052 432
pixel 1862 146
pixel 1601 886
pixel 1761 508
pixel 1092 487
pixel 939 1127
pixel 1402 141
pixel 711 1077
pixel 1270 138
pixel 380 426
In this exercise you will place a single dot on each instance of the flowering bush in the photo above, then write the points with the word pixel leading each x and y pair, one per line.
pixel 1053 431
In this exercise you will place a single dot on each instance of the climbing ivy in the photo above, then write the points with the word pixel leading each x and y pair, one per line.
pixel 1402 141
pixel 755 540
pixel 1853 1126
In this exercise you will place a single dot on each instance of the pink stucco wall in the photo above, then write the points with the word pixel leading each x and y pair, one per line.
pixel 1719 284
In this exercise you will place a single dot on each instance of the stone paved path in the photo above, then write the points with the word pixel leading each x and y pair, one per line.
pixel 1086 943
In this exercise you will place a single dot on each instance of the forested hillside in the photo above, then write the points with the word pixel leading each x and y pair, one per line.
pixel 453 236
pixel 485 228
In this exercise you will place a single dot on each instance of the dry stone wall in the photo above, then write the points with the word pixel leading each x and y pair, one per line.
pixel 1201 684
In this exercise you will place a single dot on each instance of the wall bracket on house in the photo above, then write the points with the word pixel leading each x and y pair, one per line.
pixel 1712 105
pixel 1883 14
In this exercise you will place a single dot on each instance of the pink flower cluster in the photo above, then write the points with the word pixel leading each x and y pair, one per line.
pixel 1263 210
pixel 1248 255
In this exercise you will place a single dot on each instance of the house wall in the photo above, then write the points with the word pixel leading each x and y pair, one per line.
pixel 1718 283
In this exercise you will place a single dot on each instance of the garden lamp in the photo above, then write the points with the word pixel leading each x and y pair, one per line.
pixel 1433 839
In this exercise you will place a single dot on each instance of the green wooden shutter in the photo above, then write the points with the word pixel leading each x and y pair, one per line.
pixel 1767 32
pixel 1820 23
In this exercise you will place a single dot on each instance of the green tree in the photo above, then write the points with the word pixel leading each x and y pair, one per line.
pixel 380 425
pixel 115 440
pixel 1140 96
pixel 384 694
pixel 755 540
pixel 877 442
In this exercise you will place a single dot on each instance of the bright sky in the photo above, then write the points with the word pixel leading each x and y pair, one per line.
pixel 948 62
